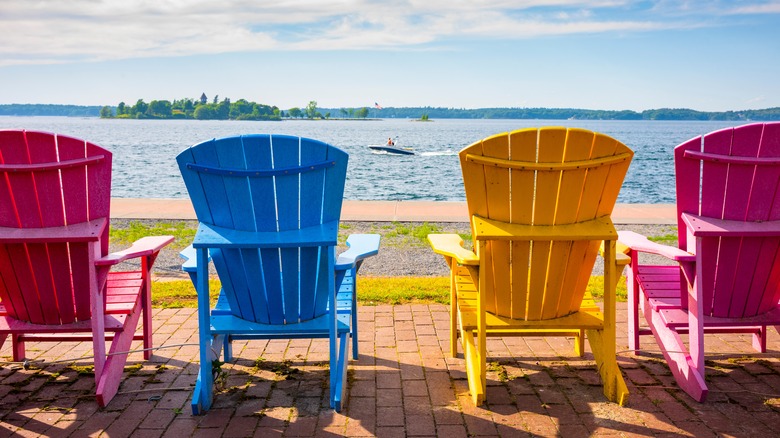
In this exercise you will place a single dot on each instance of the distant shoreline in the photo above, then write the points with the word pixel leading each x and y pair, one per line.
pixel 665 114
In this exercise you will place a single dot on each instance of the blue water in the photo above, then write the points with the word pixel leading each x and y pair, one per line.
pixel 144 151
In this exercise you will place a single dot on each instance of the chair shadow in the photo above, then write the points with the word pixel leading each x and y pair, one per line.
pixel 280 387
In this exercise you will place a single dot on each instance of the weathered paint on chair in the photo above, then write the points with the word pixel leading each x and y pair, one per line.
pixel 269 208
pixel 539 201
pixel 728 279
pixel 54 264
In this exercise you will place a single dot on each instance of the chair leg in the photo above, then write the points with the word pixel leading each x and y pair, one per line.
pixel 579 343
pixel 473 368
pixel 354 328
pixel 453 312
pixel 339 391
pixel 633 308
pixel 759 339
pixel 603 346
pixel 685 372
pixel 17 344
pixel 108 381
pixel 146 304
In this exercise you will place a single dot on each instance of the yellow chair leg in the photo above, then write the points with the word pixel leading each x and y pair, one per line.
pixel 615 388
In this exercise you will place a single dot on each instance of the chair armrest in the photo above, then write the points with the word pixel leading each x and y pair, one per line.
pixel 142 247
pixel 451 245
pixel 638 242
pixel 212 236
pixel 82 232
pixel 189 254
pixel 621 257
pixel 360 247
pixel 702 226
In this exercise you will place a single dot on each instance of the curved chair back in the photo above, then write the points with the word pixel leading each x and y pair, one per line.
pixel 539 178
pixel 269 183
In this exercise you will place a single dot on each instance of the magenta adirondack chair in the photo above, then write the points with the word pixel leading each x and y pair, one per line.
pixel 728 275
pixel 55 283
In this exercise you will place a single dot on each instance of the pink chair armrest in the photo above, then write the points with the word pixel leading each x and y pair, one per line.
pixel 142 247
pixel 702 226
pixel 638 242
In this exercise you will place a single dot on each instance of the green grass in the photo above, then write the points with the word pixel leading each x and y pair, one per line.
pixel 670 238
pixel 181 231
pixel 372 291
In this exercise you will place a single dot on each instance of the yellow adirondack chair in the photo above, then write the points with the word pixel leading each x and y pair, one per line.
pixel 540 202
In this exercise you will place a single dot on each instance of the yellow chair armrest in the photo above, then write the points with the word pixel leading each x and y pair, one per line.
pixel 451 245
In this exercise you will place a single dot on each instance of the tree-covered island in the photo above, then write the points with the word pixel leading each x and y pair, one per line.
pixel 188 108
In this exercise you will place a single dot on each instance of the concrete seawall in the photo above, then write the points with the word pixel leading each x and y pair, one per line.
pixel 381 211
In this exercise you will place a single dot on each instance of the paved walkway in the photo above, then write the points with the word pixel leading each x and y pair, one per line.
pixel 404 384
pixel 379 211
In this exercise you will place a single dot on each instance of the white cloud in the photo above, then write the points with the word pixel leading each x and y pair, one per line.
pixel 772 7
pixel 38 32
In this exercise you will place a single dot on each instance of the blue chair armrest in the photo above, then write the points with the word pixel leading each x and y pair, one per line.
pixel 189 254
pixel 360 247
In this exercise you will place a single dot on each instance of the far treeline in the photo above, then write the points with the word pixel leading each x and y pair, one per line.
pixel 579 114
pixel 246 110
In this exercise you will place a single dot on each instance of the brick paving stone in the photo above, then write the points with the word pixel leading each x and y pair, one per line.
pixel 420 425
pixel 390 416
pixel 180 427
pixel 447 415
pixel 388 379
pixel 158 418
pixel 391 431
pixel 415 388
pixel 240 427
pixel 452 431
pixel 389 397
pixel 302 426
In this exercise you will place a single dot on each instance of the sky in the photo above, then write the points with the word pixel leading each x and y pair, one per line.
pixel 713 55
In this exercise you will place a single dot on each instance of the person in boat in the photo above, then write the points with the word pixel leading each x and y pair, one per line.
pixel 390 141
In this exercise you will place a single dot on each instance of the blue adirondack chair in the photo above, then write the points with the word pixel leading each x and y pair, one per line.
pixel 269 207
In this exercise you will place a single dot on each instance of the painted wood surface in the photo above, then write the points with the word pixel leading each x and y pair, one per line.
pixel 268 207
pixel 540 201
pixel 54 279
pixel 728 207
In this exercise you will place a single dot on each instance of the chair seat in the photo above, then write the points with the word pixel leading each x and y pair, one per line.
pixel 661 291
pixel 123 292
pixel 588 317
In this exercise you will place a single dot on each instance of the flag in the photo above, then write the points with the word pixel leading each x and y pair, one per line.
pixel 377 106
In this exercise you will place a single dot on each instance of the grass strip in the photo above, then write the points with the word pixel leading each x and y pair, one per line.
pixel 372 291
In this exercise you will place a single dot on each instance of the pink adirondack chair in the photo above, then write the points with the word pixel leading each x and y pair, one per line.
pixel 728 274
pixel 55 283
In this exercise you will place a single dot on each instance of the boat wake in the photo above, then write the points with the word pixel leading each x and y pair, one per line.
pixel 446 153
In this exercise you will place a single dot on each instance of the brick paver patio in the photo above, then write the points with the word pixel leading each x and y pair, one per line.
pixel 405 384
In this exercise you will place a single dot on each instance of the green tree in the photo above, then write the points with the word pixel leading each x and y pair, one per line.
pixel 140 107
pixel 121 109
pixel 223 109
pixel 311 109
pixel 160 109
pixel 106 113
pixel 361 113
pixel 295 112
pixel 205 112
